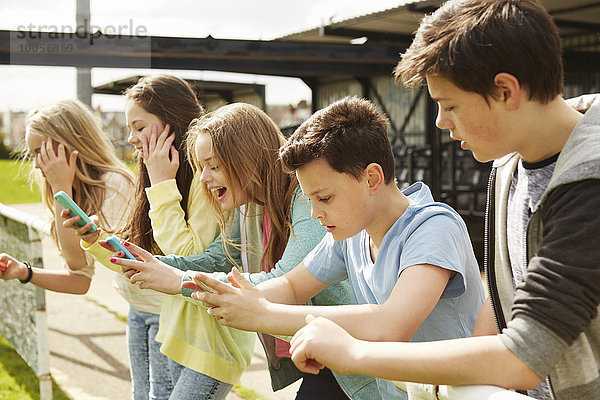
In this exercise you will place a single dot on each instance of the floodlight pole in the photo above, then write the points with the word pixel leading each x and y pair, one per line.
pixel 84 75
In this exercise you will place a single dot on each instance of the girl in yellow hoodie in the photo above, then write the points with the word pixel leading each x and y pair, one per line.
pixel 170 215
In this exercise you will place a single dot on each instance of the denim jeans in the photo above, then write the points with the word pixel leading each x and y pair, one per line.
pixel 150 374
pixel 192 385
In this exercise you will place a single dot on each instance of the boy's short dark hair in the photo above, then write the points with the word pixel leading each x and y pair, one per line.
pixel 470 41
pixel 349 134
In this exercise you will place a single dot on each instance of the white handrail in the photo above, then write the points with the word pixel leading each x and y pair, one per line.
pixel 36 223
pixel 478 393
pixel 421 391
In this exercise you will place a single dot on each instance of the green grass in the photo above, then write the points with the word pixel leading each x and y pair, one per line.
pixel 14 183
pixel 17 380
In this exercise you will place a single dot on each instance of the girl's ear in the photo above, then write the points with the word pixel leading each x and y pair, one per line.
pixel 375 177
pixel 508 89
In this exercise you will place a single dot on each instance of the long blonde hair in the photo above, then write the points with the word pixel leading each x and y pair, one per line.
pixel 246 142
pixel 71 123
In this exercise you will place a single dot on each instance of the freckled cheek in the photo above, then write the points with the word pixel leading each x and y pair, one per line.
pixel 491 127
pixel 478 131
pixel 350 214
pixel 489 134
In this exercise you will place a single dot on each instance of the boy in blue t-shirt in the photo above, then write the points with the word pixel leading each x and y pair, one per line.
pixel 409 259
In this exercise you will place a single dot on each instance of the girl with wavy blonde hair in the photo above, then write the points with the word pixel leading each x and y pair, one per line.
pixel 69 124
pixel 72 153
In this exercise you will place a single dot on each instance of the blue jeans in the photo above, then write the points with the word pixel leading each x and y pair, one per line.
pixel 150 374
pixel 192 385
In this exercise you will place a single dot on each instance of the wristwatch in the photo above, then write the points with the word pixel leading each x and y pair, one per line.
pixel 29 273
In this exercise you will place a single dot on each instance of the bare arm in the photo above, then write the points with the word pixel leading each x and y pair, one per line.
pixel 72 252
pixel 485 324
pixel 294 287
pixel 59 169
pixel 260 308
pixel 467 361
pixel 57 281
pixel 60 281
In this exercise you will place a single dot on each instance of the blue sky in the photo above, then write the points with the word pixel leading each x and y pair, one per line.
pixel 25 87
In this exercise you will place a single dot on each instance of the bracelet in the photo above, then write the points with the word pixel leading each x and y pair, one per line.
pixel 29 273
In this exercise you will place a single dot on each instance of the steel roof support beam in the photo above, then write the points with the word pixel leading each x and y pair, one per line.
pixel 281 58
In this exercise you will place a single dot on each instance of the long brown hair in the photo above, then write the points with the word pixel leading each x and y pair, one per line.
pixel 71 123
pixel 246 145
pixel 174 102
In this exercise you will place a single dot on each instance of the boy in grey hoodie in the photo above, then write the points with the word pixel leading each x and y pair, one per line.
pixel 494 67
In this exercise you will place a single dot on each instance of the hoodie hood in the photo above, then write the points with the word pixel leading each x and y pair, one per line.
pixel 580 157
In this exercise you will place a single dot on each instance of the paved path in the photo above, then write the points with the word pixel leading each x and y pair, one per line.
pixel 88 352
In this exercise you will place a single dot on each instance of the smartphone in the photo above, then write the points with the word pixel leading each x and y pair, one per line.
pixel 202 285
pixel 117 245
pixel 66 202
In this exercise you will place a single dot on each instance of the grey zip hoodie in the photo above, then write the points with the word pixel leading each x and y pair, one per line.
pixel 553 323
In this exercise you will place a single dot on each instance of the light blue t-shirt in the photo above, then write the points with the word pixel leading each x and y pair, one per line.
pixel 426 233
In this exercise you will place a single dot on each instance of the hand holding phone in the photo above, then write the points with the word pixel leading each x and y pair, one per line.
pixel 117 245
pixel 66 202
pixel 194 284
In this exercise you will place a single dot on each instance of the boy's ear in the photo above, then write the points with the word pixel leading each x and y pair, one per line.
pixel 508 90
pixel 375 177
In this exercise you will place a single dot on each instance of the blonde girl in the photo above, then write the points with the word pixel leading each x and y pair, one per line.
pixel 72 153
